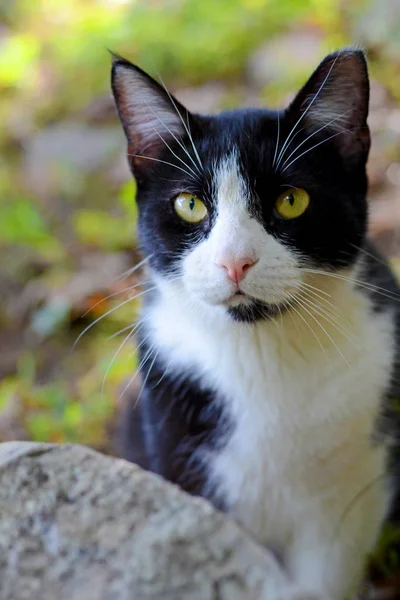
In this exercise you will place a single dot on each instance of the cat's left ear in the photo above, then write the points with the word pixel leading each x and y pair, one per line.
pixel 150 116
pixel 335 101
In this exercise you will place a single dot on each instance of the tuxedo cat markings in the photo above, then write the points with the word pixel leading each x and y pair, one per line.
pixel 238 238
pixel 268 350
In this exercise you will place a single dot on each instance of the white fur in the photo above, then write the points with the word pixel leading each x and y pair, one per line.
pixel 237 234
pixel 304 401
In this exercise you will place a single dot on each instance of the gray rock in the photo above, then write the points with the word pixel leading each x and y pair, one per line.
pixel 77 525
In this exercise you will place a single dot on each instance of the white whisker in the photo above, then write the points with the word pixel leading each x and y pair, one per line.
pixel 330 318
pixel 125 290
pixel 117 333
pixel 315 146
pixel 142 362
pixel 376 258
pixel 314 292
pixel 163 375
pixel 368 286
pixel 126 339
pixel 289 137
pixel 315 133
pixel 126 274
pixel 183 122
pixel 309 326
pixel 111 311
pixel 312 287
pixel 323 329
pixel 175 138
pixel 277 140
pixel 162 161
pixel 172 152
pixel 147 376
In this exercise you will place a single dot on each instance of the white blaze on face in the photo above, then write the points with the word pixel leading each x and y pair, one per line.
pixel 231 237
pixel 237 235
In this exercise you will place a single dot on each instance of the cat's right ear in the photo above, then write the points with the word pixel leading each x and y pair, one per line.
pixel 150 116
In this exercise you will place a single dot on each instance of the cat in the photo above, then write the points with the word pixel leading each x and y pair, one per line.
pixel 270 328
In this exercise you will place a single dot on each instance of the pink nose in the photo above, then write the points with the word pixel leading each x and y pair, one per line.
pixel 236 268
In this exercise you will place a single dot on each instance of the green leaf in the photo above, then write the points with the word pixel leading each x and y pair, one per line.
pixel 42 427
pixel 18 57
pixel 8 389
pixel 99 228
pixel 21 223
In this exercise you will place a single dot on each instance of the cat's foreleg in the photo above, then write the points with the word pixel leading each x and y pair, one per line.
pixel 329 558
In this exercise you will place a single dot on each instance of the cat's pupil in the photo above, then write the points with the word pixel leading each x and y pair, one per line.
pixel 192 203
pixel 290 199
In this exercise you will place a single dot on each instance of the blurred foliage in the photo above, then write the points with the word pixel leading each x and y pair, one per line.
pixel 65 199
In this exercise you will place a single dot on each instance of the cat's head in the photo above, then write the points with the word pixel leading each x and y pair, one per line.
pixel 235 208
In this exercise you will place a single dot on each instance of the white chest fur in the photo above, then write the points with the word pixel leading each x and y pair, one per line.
pixel 304 404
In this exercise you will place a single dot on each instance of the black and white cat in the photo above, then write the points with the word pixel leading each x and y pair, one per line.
pixel 270 330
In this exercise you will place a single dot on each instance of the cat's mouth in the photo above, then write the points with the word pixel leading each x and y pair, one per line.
pixel 238 297
pixel 245 308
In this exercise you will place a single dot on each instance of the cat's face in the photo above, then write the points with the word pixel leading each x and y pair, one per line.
pixel 235 209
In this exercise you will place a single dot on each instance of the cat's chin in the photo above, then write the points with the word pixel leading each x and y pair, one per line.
pixel 252 311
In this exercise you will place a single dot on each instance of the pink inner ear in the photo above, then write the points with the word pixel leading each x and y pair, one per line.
pixel 150 119
pixel 336 96
pixel 334 104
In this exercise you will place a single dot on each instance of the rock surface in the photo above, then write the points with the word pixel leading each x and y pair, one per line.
pixel 77 525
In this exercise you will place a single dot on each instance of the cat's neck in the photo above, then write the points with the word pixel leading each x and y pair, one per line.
pixel 326 317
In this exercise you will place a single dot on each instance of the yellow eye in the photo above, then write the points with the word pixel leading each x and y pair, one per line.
pixel 190 208
pixel 292 203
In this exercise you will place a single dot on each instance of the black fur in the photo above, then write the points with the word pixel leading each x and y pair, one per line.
pixel 329 231
pixel 171 425
pixel 177 419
